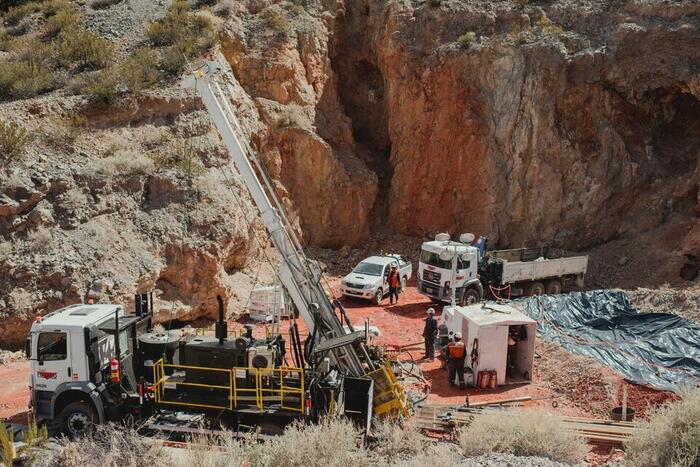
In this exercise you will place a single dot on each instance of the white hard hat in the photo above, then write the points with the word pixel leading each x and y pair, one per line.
pixel 458 335
pixel 431 311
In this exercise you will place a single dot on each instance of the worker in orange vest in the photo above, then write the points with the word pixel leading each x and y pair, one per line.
pixel 394 281
pixel 456 351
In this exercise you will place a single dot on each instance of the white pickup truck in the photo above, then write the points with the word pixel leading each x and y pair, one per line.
pixel 370 278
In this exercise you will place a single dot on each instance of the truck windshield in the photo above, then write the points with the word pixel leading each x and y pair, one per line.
pixel 433 259
pixel 368 269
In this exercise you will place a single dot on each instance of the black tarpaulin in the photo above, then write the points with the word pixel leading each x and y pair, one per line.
pixel 661 350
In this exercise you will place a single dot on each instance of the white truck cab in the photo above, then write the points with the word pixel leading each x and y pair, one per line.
pixel 70 352
pixel 446 264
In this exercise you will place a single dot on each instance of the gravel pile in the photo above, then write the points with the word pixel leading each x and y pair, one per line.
pixel 508 460
pixel 683 302
pixel 127 18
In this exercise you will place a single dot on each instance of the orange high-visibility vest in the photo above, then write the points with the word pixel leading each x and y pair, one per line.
pixel 456 349
pixel 394 279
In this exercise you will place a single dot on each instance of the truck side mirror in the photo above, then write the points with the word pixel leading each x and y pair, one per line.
pixel 28 347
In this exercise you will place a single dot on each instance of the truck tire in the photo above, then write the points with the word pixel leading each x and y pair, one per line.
pixel 534 288
pixel 554 287
pixel 378 297
pixel 403 283
pixel 77 419
pixel 469 297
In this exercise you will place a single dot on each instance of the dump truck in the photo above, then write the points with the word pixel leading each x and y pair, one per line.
pixel 95 363
pixel 531 271
pixel 467 272
pixel 370 278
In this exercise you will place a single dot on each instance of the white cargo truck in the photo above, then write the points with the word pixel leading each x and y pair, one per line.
pixel 496 273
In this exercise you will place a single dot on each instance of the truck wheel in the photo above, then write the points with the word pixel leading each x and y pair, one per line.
pixel 469 297
pixel 403 283
pixel 378 297
pixel 554 287
pixel 534 288
pixel 77 419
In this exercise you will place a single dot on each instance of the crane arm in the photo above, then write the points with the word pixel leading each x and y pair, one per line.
pixel 300 276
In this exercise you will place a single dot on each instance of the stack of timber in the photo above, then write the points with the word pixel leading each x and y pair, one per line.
pixel 445 419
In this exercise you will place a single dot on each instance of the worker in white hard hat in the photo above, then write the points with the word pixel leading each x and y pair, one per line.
pixel 456 352
pixel 429 333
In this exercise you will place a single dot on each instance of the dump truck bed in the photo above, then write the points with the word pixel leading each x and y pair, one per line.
pixel 531 264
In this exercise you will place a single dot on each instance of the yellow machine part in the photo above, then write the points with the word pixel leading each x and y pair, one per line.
pixel 390 399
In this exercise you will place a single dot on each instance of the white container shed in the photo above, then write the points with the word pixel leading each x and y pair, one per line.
pixel 490 324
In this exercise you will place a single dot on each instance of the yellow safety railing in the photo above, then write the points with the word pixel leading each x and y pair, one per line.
pixel 283 386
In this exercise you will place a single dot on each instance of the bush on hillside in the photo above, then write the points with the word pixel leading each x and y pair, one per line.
pixel 84 48
pixel 275 20
pixel 62 20
pixel 466 39
pixel 525 433
pixel 13 142
pixel 25 78
pixel 671 436
pixel 180 156
pixel 140 70
pixel 183 33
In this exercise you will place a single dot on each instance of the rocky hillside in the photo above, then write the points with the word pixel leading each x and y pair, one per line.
pixel 562 122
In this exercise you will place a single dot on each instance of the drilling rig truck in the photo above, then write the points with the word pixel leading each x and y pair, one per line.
pixel 96 363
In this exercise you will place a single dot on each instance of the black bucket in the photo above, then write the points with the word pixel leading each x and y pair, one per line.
pixel 616 414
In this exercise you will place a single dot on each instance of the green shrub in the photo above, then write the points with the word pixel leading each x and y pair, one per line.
pixel 525 433
pixel 15 14
pixel 140 70
pixel 466 39
pixel 24 79
pixel 101 86
pixel 671 436
pixel 62 20
pixel 178 156
pixel 84 48
pixel 274 20
pixel 13 142
pixel 183 33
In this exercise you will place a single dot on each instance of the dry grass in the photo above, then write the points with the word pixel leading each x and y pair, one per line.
pixel 109 446
pixel 13 142
pixel 671 436
pixel 178 155
pixel 275 20
pixel 40 240
pixel 126 162
pixel 527 433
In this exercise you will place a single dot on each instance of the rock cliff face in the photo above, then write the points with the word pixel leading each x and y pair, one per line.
pixel 559 122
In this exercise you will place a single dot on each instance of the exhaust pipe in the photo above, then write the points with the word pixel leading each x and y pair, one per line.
pixel 221 331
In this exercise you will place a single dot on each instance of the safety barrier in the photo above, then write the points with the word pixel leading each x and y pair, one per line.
pixel 235 389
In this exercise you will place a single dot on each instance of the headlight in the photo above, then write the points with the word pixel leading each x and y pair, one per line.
pixel 367 286
pixel 343 283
